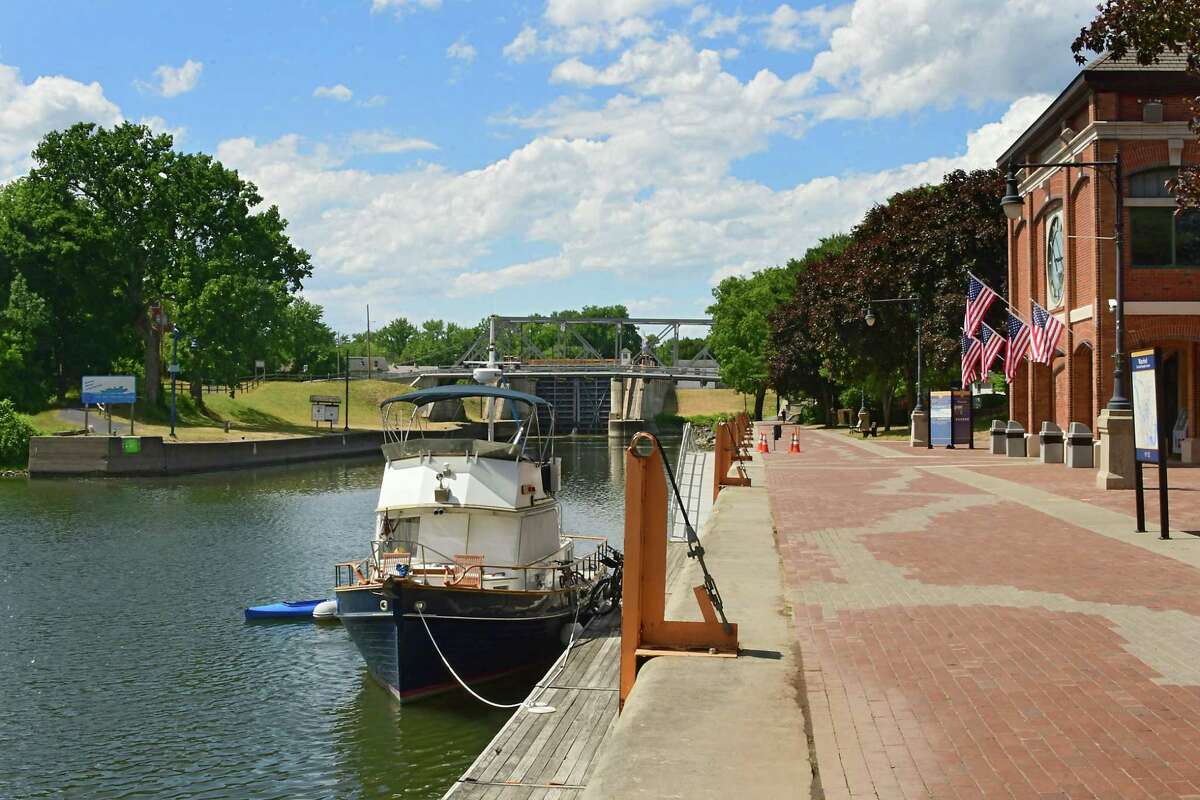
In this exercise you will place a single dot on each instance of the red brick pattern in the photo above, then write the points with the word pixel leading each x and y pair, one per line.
pixel 958 643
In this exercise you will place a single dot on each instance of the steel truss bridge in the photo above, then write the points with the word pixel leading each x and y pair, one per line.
pixel 529 360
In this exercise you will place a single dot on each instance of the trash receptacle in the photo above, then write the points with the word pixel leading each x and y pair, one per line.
pixel 1079 446
pixel 998 446
pixel 1051 437
pixel 1014 439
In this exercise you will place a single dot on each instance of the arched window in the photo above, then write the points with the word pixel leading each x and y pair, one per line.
pixel 1158 236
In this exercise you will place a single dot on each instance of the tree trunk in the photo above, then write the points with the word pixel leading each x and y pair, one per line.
pixel 196 389
pixel 760 397
pixel 152 360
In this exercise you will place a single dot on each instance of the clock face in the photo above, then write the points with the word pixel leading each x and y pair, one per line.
pixel 1054 263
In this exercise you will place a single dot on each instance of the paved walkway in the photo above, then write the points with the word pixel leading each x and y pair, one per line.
pixel 962 639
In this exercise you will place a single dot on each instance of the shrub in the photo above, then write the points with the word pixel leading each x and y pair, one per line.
pixel 14 436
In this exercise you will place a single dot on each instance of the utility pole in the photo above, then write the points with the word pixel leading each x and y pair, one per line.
pixel 368 341
pixel 346 422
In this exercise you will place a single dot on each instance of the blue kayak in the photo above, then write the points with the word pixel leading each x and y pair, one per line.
pixel 301 609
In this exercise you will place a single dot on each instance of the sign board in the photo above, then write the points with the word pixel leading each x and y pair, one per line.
pixel 1144 368
pixel 260 364
pixel 131 445
pixel 118 389
pixel 950 418
pixel 325 408
pixel 1149 434
pixel 361 363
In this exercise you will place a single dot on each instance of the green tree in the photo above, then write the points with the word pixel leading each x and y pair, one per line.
pixel 304 338
pixel 22 326
pixel 15 433
pixel 391 339
pixel 740 337
pixel 1148 29
pixel 173 222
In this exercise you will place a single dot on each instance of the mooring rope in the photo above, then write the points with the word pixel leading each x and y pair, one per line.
pixel 527 702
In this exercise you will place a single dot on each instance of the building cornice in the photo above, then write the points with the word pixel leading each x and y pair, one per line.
pixel 1104 130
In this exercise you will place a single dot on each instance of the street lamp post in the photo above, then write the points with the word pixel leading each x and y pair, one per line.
pixel 1014 206
pixel 870 320
pixel 174 367
pixel 346 421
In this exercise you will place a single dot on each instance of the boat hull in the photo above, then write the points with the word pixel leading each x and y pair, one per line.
pixel 483 634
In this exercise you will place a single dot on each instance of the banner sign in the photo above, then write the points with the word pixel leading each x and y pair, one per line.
pixel 1144 366
pixel 950 418
pixel 941 415
pixel 118 389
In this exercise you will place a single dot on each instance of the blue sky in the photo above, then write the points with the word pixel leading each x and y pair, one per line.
pixel 454 158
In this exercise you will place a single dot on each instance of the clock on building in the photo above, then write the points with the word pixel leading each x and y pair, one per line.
pixel 1054 262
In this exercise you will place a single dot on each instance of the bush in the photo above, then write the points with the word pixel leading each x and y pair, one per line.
pixel 14 436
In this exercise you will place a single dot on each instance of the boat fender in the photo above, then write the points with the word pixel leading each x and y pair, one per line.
pixel 572 630
pixel 383 605
pixel 326 611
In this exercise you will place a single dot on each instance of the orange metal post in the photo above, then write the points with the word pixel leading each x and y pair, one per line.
pixel 644 631
pixel 726 451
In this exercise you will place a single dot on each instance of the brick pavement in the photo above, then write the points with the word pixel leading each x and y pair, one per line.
pixel 962 639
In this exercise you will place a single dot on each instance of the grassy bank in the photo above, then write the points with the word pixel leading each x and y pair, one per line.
pixel 705 406
pixel 269 411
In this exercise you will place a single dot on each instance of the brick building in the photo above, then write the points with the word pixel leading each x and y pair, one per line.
pixel 1061 251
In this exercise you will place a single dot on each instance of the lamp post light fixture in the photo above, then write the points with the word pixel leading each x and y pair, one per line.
pixel 869 318
pixel 1014 207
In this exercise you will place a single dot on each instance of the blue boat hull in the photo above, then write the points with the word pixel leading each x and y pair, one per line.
pixel 482 634
pixel 288 610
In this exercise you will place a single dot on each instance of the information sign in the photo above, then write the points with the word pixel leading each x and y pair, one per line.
pixel 325 408
pixel 115 389
pixel 1149 434
pixel 941 415
pixel 950 418
pixel 1144 364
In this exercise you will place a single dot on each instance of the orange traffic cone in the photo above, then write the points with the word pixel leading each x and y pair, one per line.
pixel 794 447
pixel 762 443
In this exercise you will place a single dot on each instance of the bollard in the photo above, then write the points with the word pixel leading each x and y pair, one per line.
pixel 1080 452
pixel 1051 442
pixel 998 446
pixel 1014 439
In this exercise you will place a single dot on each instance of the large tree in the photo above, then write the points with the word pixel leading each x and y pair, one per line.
pixel 1149 29
pixel 740 337
pixel 173 222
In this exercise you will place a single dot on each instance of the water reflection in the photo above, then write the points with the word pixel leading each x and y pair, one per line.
pixel 124 654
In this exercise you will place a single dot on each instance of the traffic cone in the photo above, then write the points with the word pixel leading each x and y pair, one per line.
pixel 762 443
pixel 794 447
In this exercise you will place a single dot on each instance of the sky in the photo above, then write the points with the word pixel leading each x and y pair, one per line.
pixel 458 158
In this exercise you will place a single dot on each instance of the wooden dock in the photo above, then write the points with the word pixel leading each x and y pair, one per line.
pixel 551 756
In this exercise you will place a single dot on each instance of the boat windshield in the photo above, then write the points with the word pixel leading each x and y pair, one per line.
pixel 515 425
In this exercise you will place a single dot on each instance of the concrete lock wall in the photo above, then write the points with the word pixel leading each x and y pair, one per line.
pixel 105 455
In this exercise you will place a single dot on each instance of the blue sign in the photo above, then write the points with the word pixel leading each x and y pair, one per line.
pixel 118 389
pixel 1144 368
pixel 941 415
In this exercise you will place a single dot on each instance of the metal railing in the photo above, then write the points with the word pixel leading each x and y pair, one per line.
pixel 689 474
pixel 430 567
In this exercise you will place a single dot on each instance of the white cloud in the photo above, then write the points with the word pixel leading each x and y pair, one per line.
pixel 642 182
pixel 577 39
pixel 339 92
pixel 374 101
pixel 566 13
pixel 173 81
pixel 785 28
pixel 384 142
pixel 461 50
pixel 894 56
pixel 160 125
pixel 400 7
pixel 29 110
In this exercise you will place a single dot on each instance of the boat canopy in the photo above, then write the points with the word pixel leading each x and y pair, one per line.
pixel 436 394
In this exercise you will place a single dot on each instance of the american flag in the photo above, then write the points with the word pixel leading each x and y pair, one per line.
pixel 992 343
pixel 971 350
pixel 1018 345
pixel 1044 335
pixel 979 299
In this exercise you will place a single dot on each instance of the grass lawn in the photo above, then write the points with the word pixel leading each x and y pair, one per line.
pixel 706 402
pixel 269 411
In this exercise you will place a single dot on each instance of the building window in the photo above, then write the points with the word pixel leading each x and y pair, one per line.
pixel 1159 237
pixel 1054 262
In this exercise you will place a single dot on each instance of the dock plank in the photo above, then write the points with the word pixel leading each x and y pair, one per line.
pixel 552 756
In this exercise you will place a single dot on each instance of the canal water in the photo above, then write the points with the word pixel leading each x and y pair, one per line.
pixel 126 669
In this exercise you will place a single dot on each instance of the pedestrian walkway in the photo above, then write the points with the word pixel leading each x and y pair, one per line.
pixel 979 627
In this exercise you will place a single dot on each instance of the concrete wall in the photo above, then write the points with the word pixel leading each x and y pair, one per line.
pixel 103 455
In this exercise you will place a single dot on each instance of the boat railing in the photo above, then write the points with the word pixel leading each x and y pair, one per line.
pixel 430 567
